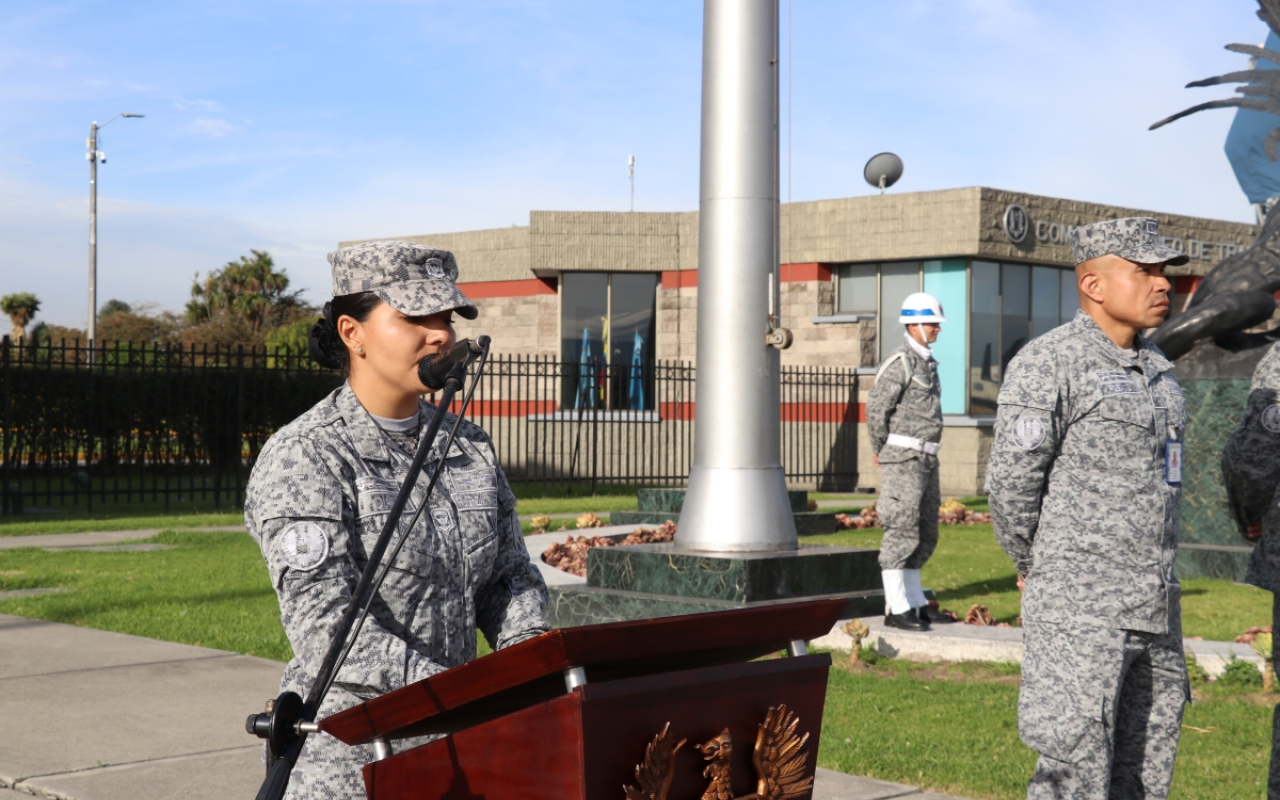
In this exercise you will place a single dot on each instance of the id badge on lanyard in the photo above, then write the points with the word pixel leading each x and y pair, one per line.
pixel 1173 457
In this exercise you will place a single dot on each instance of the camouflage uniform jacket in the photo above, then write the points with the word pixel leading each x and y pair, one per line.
pixel 906 400
pixel 1077 485
pixel 1251 470
pixel 316 502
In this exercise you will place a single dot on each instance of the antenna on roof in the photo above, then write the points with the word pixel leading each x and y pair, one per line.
pixel 631 174
pixel 883 170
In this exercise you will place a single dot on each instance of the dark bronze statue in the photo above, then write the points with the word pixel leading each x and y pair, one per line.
pixel 1238 293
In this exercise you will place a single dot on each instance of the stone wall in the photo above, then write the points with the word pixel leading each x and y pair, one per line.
pixel 498 254
pixel 520 326
pixel 994 244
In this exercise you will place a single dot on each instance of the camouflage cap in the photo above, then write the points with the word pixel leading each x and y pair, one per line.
pixel 412 278
pixel 1134 238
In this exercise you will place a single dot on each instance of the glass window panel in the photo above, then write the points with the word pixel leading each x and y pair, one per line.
pixel 1015 310
pixel 584 306
pixel 857 288
pixel 630 338
pixel 896 282
pixel 984 337
pixel 1045 286
pixel 1069 302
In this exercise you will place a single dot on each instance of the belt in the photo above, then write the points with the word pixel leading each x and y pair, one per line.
pixel 912 443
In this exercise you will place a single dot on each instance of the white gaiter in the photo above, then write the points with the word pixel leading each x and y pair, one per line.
pixel 914 591
pixel 895 591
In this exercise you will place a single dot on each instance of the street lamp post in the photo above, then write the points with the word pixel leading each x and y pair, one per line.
pixel 94 156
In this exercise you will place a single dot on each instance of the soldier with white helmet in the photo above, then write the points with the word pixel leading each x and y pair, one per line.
pixel 904 422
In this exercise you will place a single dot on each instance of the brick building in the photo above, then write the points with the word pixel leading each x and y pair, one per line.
pixel 623 287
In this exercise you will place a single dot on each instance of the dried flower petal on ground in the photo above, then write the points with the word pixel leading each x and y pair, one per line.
pixel 571 556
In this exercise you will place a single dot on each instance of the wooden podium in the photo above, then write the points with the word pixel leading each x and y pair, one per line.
pixel 569 714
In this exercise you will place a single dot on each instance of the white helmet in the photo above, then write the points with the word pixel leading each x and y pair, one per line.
pixel 921 308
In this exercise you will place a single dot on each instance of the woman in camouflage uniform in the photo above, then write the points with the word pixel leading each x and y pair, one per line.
pixel 321 489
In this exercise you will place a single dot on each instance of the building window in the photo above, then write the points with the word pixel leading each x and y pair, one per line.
pixel 856 288
pixel 1012 304
pixel 607 336
pixel 878 289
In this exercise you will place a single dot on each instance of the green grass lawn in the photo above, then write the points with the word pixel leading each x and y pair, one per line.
pixel 32 526
pixel 970 568
pixel 212 591
pixel 953 726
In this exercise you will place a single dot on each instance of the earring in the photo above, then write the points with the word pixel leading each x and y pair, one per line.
pixel 360 350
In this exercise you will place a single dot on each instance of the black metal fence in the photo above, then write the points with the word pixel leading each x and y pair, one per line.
pixel 129 423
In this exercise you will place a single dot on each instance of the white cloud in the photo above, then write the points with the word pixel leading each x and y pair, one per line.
pixel 215 128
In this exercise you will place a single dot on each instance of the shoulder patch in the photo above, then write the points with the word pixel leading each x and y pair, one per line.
pixel 1271 418
pixel 303 546
pixel 1029 431
pixel 1115 382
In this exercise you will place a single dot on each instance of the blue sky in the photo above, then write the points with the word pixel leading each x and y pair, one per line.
pixel 288 125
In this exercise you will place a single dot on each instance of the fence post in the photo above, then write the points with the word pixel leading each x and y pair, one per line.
pixel 239 449
pixel 8 429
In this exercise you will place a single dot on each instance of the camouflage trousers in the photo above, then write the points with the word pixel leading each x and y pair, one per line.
pixel 908 509
pixel 1103 708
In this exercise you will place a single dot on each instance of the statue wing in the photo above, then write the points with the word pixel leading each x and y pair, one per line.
pixel 1262 89
pixel 655 775
pixel 780 757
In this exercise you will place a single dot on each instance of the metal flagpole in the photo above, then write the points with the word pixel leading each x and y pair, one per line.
pixel 737 498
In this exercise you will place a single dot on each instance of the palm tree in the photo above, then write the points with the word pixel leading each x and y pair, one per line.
pixel 250 289
pixel 21 308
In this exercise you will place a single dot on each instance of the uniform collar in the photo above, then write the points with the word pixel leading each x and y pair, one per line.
pixel 1149 359
pixel 920 350
pixel 365 434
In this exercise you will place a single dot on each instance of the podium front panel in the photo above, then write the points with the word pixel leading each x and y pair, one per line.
pixel 586 744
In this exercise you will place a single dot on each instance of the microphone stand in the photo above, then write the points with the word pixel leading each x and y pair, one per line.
pixel 289 719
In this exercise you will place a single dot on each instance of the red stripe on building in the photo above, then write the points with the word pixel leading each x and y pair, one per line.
pixel 510 408
pixel 831 413
pixel 524 288
pixel 680 279
pixel 796 273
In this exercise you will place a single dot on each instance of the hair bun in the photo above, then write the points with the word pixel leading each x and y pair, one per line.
pixel 324 344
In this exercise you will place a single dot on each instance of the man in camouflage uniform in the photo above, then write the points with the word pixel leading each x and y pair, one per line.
pixel 317 501
pixel 1084 483
pixel 904 422
pixel 1251 473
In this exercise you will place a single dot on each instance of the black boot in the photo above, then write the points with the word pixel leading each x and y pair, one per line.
pixel 928 614
pixel 907 621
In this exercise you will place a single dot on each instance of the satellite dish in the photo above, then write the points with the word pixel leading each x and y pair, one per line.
pixel 883 170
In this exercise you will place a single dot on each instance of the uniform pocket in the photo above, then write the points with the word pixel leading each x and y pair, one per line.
pixel 1129 409
pixel 1060 703
pixel 375 497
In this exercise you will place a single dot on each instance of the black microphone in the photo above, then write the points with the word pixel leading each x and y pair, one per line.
pixel 433 369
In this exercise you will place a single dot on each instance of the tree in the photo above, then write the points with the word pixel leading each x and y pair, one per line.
pixel 144 325
pixel 21 308
pixel 113 307
pixel 249 291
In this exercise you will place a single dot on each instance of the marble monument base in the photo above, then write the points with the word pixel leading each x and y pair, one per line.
pixel 656 506
pixel 660 580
